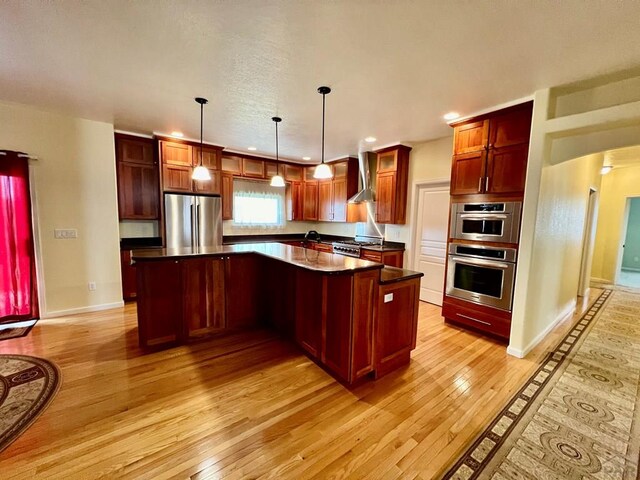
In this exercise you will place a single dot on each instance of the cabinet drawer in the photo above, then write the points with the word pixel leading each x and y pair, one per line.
pixel 372 256
pixel 324 247
pixel 478 319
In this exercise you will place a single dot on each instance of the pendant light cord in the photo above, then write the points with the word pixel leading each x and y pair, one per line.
pixel 323 108
pixel 277 156
pixel 201 122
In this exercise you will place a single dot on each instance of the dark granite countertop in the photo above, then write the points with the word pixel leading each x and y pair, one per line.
pixel 300 257
pixel 393 274
pixel 140 242
pixel 288 237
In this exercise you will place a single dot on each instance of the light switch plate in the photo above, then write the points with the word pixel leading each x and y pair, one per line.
pixel 65 233
pixel 388 298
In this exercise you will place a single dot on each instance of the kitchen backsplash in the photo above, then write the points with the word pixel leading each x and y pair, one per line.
pixel 139 228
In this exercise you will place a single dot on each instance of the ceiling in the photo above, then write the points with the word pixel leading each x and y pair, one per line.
pixel 622 157
pixel 395 67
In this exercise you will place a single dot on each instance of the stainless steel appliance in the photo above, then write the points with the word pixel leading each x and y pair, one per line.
pixel 193 220
pixel 481 274
pixel 351 248
pixel 486 222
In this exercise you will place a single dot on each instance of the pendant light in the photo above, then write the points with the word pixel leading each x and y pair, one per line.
pixel 323 171
pixel 201 172
pixel 277 180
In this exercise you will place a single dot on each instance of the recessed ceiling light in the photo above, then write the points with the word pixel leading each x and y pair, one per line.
pixel 606 169
pixel 306 158
pixel 253 149
pixel 370 139
pixel 177 134
pixel 451 116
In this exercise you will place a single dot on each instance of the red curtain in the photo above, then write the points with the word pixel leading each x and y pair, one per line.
pixel 18 291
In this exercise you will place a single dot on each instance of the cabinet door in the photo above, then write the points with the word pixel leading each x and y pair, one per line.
pixel 365 298
pixel 271 169
pixel 309 294
pixel 252 168
pixel 210 157
pixel 175 153
pixel 177 178
pixel 159 303
pixel 137 191
pixel 292 173
pixel 339 199
pixel 510 128
pixel 507 169
pixel 310 201
pixel 226 188
pixel 336 335
pixel 387 162
pixel 385 201
pixel 208 186
pixel 294 201
pixel 471 137
pixel 231 164
pixel 134 151
pixel 467 173
pixel 393 259
pixel 325 203
pixel 128 275
pixel 244 300
pixel 340 169
pixel 203 296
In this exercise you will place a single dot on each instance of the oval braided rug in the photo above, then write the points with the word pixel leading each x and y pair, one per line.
pixel 27 386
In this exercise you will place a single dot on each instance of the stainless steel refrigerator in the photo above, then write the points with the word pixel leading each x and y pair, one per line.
pixel 193 220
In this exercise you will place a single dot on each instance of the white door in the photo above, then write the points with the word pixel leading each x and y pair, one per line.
pixel 431 240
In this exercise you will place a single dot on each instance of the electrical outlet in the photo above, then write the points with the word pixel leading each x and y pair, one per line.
pixel 92 286
pixel 388 298
pixel 65 233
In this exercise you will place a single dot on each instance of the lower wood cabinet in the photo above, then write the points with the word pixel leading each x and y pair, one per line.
pixel 396 324
pixel 393 258
pixel 203 296
pixel 243 290
pixel 128 276
pixel 489 320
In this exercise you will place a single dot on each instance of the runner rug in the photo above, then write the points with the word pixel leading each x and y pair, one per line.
pixel 578 416
pixel 27 386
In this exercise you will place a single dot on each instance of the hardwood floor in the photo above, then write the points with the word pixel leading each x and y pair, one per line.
pixel 253 406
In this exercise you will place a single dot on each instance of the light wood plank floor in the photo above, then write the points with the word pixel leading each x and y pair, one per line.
pixel 252 406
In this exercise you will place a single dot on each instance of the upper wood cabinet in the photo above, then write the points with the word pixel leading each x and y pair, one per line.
pixel 209 186
pixel 272 169
pixel 310 201
pixel 177 178
pixel 325 201
pixel 392 184
pixel 253 168
pixel 471 137
pixel 231 164
pixel 211 157
pixel 490 154
pixel 294 192
pixel 174 153
pixel 137 173
pixel 292 173
pixel 226 190
pixel 334 193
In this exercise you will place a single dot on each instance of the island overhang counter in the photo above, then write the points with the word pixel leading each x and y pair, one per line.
pixel 353 317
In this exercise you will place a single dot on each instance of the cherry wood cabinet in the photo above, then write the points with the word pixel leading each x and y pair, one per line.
pixel 325 200
pixel 253 168
pixel 294 192
pixel 211 157
pixel 396 325
pixel 128 276
pixel 231 164
pixel 310 200
pixel 244 291
pixel 334 193
pixel 209 186
pixel 392 258
pixel 490 154
pixel 177 178
pixel 489 320
pixel 293 173
pixel 137 174
pixel 226 189
pixel 309 311
pixel 203 296
pixel 271 169
pixel 175 153
pixel 392 184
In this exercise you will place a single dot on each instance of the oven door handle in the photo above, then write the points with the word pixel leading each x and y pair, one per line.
pixel 489 216
pixel 480 262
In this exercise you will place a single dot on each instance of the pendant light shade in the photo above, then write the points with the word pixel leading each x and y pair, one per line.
pixel 277 180
pixel 200 172
pixel 323 171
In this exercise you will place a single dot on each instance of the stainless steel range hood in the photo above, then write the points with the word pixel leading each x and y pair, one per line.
pixel 366 193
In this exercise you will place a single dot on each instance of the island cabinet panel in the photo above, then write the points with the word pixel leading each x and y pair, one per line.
pixel 309 311
pixel 203 294
pixel 159 302
pixel 336 328
pixel 280 306
pixel 396 325
pixel 244 293
pixel 365 296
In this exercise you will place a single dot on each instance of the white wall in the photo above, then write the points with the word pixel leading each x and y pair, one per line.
pixel 75 187
pixel 617 186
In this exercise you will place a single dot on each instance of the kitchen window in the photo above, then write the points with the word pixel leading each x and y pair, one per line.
pixel 258 204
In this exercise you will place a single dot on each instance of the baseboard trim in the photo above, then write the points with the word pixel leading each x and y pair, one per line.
pixel 566 312
pixel 74 311
pixel 630 269
pixel 600 280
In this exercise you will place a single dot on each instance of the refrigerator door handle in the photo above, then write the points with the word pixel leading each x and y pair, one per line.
pixel 197 241
pixel 193 226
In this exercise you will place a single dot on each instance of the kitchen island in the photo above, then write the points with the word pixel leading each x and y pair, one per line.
pixel 353 317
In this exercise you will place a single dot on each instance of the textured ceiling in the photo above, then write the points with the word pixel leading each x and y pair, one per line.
pixel 395 66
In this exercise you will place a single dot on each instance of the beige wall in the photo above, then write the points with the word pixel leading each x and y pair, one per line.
pixel 617 186
pixel 75 187
pixel 429 161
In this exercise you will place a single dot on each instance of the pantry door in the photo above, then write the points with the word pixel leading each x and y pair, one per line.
pixel 431 239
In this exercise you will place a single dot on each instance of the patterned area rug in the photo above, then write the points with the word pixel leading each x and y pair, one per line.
pixel 27 386
pixel 19 330
pixel 578 416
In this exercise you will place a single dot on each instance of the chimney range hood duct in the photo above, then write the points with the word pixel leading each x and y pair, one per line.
pixel 365 195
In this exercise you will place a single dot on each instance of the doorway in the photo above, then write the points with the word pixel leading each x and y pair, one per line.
pixel 629 271
pixel 588 243
pixel 430 241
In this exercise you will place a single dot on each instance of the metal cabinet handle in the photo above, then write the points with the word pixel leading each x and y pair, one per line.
pixel 474 319
pixel 480 184
pixel 486 184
